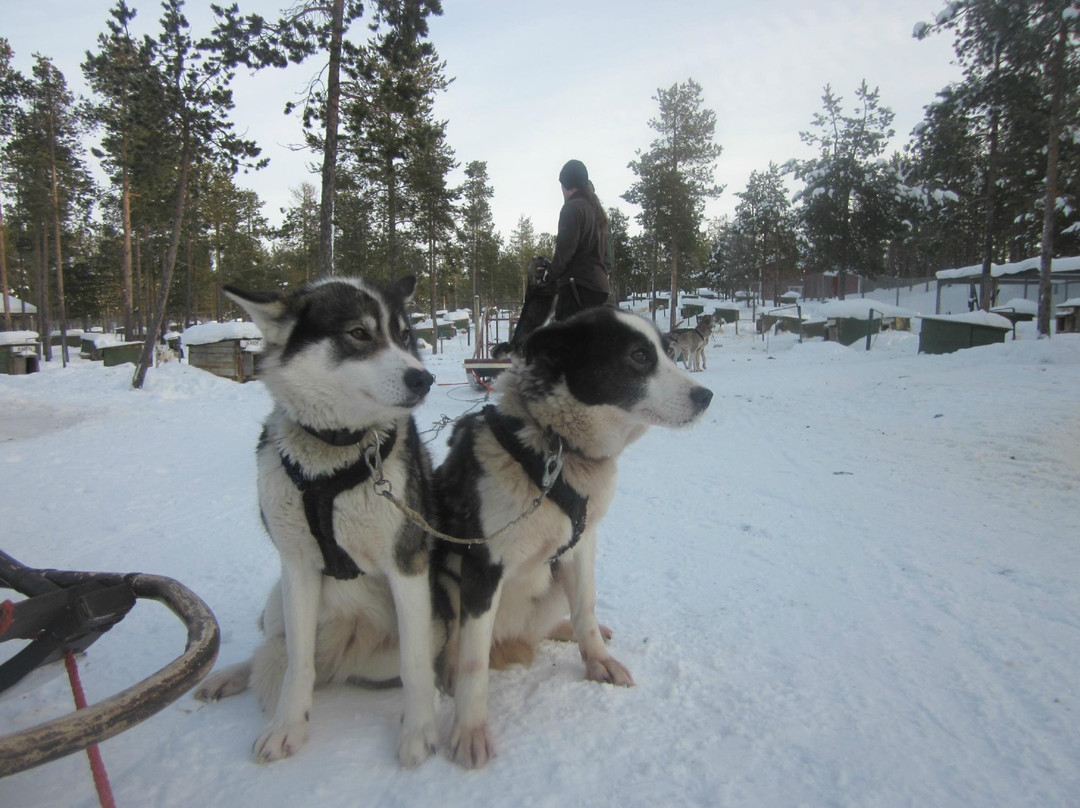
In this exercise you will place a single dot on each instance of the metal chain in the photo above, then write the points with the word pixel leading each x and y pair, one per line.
pixel 383 487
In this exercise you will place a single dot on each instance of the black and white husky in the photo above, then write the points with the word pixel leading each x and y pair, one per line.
pixel 581 392
pixel 354 598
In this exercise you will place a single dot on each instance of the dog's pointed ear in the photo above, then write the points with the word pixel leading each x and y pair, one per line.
pixel 405 287
pixel 548 348
pixel 268 310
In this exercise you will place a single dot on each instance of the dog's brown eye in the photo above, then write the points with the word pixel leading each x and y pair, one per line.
pixel 640 356
pixel 360 334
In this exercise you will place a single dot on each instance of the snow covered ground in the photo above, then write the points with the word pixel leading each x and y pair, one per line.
pixel 855 583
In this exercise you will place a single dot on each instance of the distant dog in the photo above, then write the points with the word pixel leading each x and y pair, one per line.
pixel 581 392
pixel 689 344
pixel 354 600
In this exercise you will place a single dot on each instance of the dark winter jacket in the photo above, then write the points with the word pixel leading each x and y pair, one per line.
pixel 581 247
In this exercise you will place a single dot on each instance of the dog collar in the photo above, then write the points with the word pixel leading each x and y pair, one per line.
pixel 336 437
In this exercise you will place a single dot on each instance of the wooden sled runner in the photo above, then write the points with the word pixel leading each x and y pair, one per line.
pixel 65 612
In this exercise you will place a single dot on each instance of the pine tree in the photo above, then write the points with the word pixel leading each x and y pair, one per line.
pixel 619 233
pixel 675 176
pixel 426 175
pixel 1021 73
pixel 11 90
pixel 119 74
pixel 298 238
pixel 317 27
pixel 197 98
pixel 44 165
pixel 848 188
pixel 764 220
pixel 477 227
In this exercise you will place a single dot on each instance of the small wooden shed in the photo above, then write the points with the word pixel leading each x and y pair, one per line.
pixel 424 330
pixel 229 350
pixel 726 314
pixel 121 353
pixel 1067 316
pixel 691 310
pixel 93 343
pixel 20 352
pixel 854 319
pixel 945 333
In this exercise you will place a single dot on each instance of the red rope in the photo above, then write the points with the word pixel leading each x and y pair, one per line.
pixel 97 765
pixel 7 615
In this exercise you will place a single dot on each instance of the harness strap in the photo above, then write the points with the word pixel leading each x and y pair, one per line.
pixel 318 494
pixel 573 504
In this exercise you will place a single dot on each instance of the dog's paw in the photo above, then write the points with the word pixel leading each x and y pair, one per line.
pixel 280 742
pixel 471 747
pixel 417 745
pixel 224 683
pixel 608 670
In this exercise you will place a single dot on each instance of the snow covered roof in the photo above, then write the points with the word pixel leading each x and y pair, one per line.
pixel 1070 264
pixel 974 318
pixel 1071 303
pixel 1020 305
pixel 206 333
pixel 104 340
pixel 859 309
pixel 16 306
pixel 17 337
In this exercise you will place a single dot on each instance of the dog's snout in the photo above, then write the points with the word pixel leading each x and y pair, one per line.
pixel 701 396
pixel 418 382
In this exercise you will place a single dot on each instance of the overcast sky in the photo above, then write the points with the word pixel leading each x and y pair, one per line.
pixel 538 83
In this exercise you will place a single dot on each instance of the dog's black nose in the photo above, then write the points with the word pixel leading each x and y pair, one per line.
pixel 701 396
pixel 419 382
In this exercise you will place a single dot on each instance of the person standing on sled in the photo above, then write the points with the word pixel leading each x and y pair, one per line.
pixel 578 273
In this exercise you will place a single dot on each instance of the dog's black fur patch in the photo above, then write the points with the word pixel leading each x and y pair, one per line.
pixel 601 359
pixel 330 311
pixel 459 515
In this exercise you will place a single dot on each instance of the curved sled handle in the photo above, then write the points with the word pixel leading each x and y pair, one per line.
pixel 98 722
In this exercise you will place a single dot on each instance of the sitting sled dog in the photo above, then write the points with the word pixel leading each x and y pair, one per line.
pixel 580 393
pixel 354 600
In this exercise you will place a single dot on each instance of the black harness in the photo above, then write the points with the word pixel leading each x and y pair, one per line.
pixel 319 492
pixel 536 466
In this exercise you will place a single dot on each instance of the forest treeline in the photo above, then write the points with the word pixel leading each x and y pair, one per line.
pixel 991 174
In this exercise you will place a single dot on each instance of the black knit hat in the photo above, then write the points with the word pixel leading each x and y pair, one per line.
pixel 574 175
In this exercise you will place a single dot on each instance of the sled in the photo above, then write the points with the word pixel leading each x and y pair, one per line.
pixel 62 614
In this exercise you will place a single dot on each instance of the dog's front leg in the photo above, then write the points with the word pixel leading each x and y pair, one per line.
pixel 471 744
pixel 412 600
pixel 301 590
pixel 580 580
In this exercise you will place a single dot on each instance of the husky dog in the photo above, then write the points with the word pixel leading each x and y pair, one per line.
pixel 581 391
pixel 689 344
pixel 354 599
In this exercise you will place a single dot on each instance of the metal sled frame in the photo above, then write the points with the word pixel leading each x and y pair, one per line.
pixel 67 611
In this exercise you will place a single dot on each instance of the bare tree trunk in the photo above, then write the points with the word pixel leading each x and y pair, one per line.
pixel 61 307
pixel 329 167
pixel 138 287
pixel 989 196
pixel 673 304
pixel 431 289
pixel 187 285
pixel 125 263
pixel 42 248
pixel 153 332
pixel 3 272
pixel 1057 67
